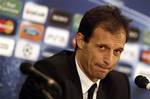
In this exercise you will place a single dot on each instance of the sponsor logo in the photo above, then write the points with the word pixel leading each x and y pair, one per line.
pixel 27 50
pixel 146 37
pixel 60 18
pixel 125 68
pixel 131 53
pixel 35 12
pixel 6 46
pixel 134 34
pixel 56 37
pixel 7 26
pixel 31 31
pixel 10 8
pixel 76 21
pixel 145 56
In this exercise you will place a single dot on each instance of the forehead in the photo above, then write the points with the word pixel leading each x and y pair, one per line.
pixel 103 36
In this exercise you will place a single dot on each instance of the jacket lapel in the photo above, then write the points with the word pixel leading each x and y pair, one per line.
pixel 75 76
pixel 104 91
pixel 101 94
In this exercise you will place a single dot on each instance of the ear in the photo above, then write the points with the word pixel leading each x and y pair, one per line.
pixel 80 40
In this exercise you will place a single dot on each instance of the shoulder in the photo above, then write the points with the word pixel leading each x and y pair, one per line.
pixel 116 77
pixel 55 65
pixel 119 82
pixel 56 59
pixel 115 73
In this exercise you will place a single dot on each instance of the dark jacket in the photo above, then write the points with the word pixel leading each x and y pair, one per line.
pixel 61 67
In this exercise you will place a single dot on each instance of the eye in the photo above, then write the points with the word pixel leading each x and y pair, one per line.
pixel 118 52
pixel 102 47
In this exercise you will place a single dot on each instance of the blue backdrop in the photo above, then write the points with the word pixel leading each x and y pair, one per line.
pixel 34 29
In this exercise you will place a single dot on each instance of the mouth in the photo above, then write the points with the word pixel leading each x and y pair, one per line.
pixel 102 70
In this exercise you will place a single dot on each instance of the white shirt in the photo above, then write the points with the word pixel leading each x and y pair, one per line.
pixel 86 83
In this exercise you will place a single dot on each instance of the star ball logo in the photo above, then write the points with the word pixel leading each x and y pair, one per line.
pixel 27 50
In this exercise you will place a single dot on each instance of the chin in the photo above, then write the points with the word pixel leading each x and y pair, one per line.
pixel 102 76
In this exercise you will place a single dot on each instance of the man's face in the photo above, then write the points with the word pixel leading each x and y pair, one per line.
pixel 98 57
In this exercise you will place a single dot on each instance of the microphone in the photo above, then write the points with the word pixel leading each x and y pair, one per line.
pixel 142 82
pixel 28 69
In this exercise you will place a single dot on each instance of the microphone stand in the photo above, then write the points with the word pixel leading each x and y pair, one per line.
pixel 47 94
pixel 51 91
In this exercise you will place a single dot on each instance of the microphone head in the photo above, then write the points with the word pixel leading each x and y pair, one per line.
pixel 141 81
pixel 26 68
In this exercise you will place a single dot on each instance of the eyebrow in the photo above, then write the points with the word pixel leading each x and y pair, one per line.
pixel 119 48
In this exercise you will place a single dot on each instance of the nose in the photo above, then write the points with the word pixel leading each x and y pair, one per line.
pixel 108 57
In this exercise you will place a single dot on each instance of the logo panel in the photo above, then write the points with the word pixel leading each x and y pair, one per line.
pixel 56 37
pixel 27 50
pixel 145 56
pixel 35 12
pixel 10 8
pixel 7 26
pixel 134 34
pixel 31 31
pixel 60 18
pixel 6 46
pixel 146 38
pixel 76 21
pixel 131 53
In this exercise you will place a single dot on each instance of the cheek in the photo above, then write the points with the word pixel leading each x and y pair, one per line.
pixel 94 59
pixel 114 62
pixel 97 58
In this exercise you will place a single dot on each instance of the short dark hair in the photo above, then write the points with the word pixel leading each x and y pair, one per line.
pixel 107 16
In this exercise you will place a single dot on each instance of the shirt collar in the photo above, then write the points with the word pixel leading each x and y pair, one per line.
pixel 86 83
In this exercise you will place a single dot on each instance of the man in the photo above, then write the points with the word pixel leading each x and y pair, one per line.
pixel 100 40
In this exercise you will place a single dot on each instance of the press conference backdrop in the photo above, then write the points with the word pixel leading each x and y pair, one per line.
pixel 33 29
